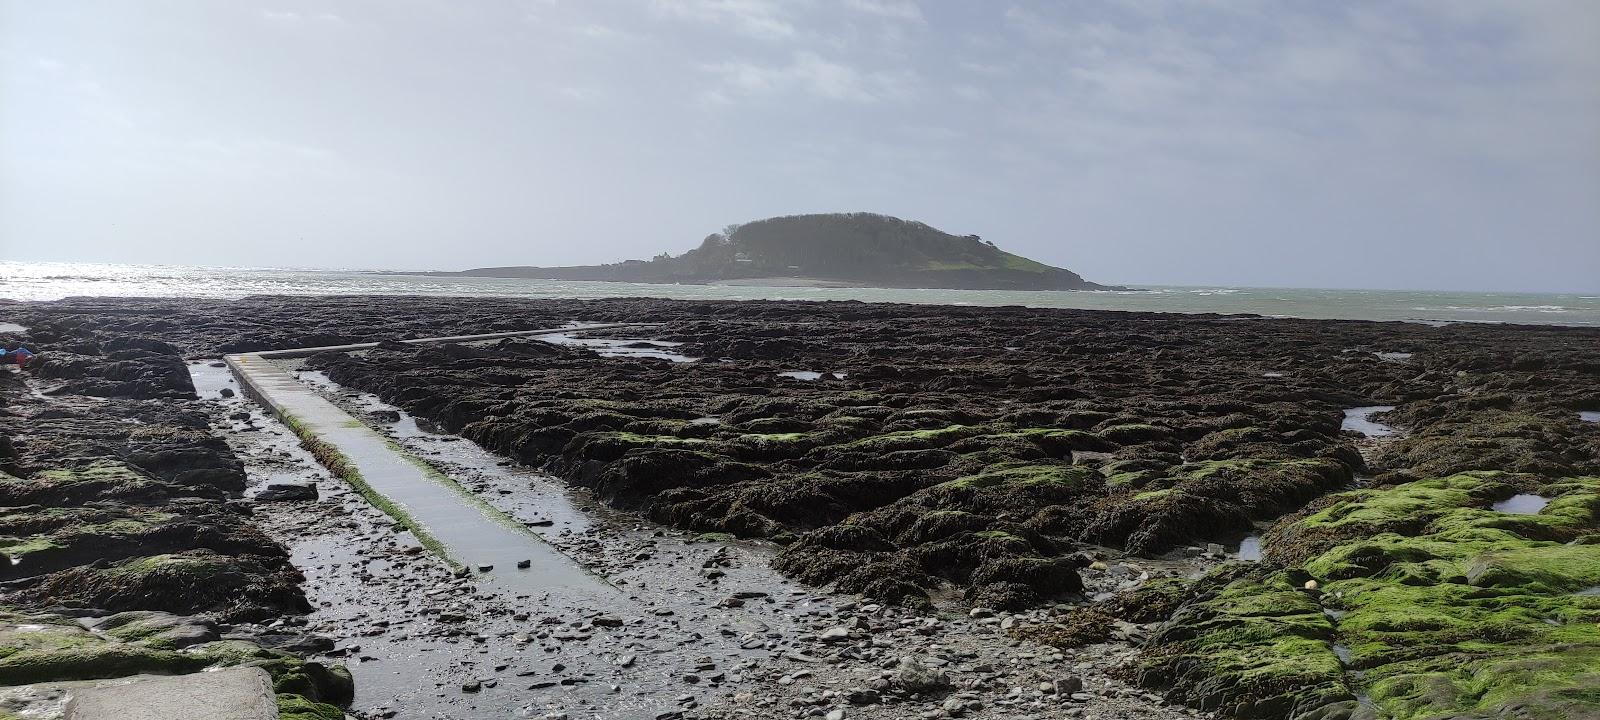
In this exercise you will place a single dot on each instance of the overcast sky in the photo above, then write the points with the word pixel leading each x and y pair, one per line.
pixel 1442 144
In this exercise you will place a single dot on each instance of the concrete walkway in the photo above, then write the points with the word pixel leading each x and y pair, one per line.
pixel 243 693
pixel 448 519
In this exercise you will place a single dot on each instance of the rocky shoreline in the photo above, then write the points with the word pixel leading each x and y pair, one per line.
pixel 1035 506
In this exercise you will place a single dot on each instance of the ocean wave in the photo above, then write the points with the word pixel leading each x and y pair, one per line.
pixel 1496 308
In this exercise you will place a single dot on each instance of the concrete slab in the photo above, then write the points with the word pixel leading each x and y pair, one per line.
pixel 233 694
pixel 448 518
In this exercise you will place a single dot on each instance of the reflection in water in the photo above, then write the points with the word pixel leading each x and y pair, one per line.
pixel 612 347
pixel 1359 420
pixel 1589 416
pixel 809 375
pixel 1522 504
pixel 1250 548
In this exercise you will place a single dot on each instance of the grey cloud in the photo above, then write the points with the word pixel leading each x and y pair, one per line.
pixel 1390 144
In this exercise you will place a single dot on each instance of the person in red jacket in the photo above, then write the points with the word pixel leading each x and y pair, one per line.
pixel 21 356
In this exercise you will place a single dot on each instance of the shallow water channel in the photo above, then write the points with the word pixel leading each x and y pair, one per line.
pixel 1360 420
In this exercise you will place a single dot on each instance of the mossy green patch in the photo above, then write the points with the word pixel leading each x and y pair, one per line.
pixel 773 437
pixel 1023 474
pixel 296 707
pixel 18 547
pixel 1445 607
pixel 21 632
pixel 910 439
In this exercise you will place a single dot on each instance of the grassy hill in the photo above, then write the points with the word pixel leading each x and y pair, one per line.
pixel 853 248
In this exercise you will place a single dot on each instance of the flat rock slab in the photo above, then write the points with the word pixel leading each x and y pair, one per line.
pixel 231 694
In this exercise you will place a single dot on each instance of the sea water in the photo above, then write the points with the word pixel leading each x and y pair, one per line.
pixel 52 281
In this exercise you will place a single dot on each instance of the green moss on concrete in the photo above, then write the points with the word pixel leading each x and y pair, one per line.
pixel 341 466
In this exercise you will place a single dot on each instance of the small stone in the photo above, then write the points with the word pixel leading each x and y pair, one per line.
pixel 915 675
pixel 524 564
pixel 862 696
pixel 285 491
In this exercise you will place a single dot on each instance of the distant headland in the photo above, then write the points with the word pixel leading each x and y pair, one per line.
pixel 839 249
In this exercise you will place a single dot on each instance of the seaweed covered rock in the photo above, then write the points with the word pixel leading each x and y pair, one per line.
pixel 1433 602
pixel 40 540
pixel 1172 430
pixel 127 369
pixel 1159 510
pixel 856 558
pixel 1250 644
pixel 171 444
pixel 1490 433
pixel 47 647
pixel 236 588
pixel 1081 626
pixel 98 480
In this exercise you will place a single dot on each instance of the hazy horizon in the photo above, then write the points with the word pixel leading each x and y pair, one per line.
pixel 1407 145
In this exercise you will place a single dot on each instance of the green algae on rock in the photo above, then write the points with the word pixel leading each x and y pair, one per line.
pixel 45 647
pixel 1429 602
pixel 237 587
